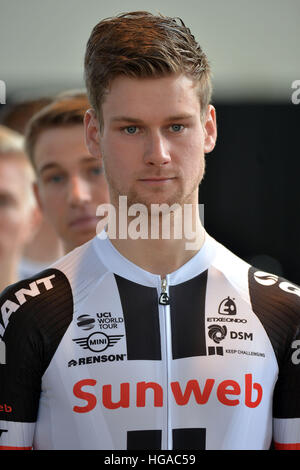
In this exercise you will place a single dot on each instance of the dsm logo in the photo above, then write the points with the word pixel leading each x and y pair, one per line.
pixel 98 341
pixel 217 333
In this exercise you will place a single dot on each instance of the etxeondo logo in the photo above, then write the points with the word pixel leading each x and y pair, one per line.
pixel 228 393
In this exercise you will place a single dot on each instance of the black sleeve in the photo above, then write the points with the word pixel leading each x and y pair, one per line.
pixel 276 302
pixel 35 314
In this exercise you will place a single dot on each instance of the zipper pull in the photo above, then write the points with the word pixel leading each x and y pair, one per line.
pixel 164 299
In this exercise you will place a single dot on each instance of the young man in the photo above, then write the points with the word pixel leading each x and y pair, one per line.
pixel 44 248
pixel 17 204
pixel 159 343
pixel 70 182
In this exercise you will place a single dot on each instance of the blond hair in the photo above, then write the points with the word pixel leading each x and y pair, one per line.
pixel 10 141
pixel 12 150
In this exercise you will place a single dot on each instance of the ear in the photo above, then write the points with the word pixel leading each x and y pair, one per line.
pixel 37 195
pixel 210 128
pixel 92 133
pixel 33 223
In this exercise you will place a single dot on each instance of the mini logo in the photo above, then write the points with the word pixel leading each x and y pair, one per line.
pixel 217 333
pixel 265 279
pixel 98 341
pixel 227 307
pixel 86 322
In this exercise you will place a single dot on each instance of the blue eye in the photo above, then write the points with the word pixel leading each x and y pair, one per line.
pixel 176 127
pixel 56 178
pixel 97 170
pixel 131 130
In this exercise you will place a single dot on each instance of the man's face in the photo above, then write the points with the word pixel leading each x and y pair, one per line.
pixel 70 185
pixel 153 141
pixel 15 206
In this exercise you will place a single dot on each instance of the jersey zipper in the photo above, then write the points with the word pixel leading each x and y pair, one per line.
pixel 164 298
pixel 164 301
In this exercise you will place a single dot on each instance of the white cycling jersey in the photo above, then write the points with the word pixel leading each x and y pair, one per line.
pixel 98 353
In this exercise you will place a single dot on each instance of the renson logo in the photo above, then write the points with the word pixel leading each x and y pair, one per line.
pixel 229 393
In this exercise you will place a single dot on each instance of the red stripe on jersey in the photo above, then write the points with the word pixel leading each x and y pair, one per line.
pixel 280 446
pixel 14 448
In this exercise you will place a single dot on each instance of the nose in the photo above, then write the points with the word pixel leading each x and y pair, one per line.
pixel 156 150
pixel 78 191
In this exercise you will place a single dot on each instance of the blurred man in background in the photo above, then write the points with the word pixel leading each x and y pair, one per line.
pixel 70 182
pixel 17 204
pixel 44 247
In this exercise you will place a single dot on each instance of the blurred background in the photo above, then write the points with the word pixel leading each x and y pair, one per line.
pixel 250 191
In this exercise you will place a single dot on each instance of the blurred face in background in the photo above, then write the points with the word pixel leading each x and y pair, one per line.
pixel 70 184
pixel 16 205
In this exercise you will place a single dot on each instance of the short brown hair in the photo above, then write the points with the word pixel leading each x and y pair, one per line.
pixel 141 45
pixel 68 109
pixel 18 114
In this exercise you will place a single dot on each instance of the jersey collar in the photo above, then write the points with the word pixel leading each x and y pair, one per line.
pixel 118 264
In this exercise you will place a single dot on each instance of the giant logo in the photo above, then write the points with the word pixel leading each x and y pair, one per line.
pixel 11 306
pixel 2 351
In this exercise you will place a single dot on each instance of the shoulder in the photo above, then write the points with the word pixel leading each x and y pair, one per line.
pixel 265 291
pixel 273 299
pixel 276 301
pixel 38 296
pixel 49 296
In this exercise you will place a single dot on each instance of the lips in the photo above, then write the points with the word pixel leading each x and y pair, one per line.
pixel 157 180
pixel 84 222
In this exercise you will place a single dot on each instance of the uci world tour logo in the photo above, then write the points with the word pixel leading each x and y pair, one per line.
pixel 86 322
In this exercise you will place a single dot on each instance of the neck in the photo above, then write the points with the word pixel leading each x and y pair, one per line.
pixel 165 242
pixel 45 246
pixel 8 273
